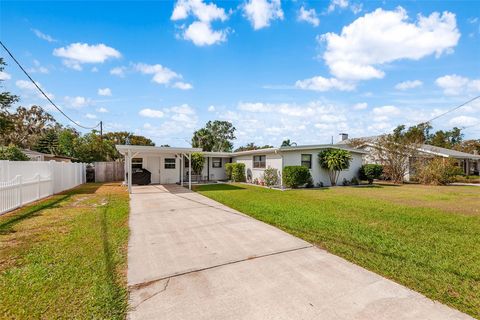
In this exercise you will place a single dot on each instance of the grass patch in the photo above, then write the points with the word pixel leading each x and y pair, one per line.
pixel 425 238
pixel 66 256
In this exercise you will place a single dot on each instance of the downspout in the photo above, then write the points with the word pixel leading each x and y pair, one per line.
pixel 208 168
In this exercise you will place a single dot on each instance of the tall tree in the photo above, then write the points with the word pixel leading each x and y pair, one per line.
pixel 7 100
pixel 48 143
pixel 446 139
pixel 121 137
pixel 215 136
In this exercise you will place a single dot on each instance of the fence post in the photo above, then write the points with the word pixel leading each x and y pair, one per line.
pixel 52 177
pixel 3 170
pixel 20 191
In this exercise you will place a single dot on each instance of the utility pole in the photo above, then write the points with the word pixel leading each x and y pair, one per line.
pixel 101 130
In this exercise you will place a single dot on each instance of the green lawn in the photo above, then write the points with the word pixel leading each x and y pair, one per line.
pixel 65 257
pixel 426 238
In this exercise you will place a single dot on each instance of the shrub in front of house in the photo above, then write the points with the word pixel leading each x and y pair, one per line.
pixel 270 177
pixel 370 172
pixel 296 176
pixel 12 153
pixel 235 171
pixel 437 171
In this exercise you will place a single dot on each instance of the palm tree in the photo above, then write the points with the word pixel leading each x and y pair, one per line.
pixel 288 143
pixel 334 160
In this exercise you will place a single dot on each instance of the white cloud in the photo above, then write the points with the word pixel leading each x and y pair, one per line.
pixel 342 4
pixel 409 84
pixel 118 71
pixel 4 76
pixel 163 75
pixel 323 84
pixel 77 54
pixel 182 85
pixel 254 107
pixel 455 85
pixel 43 36
pixel 77 102
pixel 261 13
pixel 384 36
pixel 182 109
pixel 385 113
pixel 309 16
pixel 90 116
pixel 102 110
pixel 462 121
pixel 29 86
pixel 360 106
pixel 211 108
pixel 104 92
pixel 38 68
pixel 201 10
pixel 151 113
pixel 202 34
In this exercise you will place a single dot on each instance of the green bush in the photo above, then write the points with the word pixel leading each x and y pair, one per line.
pixel 370 172
pixel 12 153
pixel 235 171
pixel 228 170
pixel 295 176
pixel 270 177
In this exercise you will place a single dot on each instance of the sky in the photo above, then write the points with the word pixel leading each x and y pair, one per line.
pixel 298 70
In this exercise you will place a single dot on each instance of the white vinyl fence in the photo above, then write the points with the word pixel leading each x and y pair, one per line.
pixel 22 182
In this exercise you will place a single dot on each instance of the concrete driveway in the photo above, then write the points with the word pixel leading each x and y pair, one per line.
pixel 190 257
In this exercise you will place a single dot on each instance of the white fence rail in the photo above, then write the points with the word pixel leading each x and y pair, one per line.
pixel 22 182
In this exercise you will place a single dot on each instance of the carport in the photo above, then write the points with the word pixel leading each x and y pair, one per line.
pixel 149 152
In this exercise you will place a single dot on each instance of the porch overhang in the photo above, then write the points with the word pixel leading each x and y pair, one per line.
pixel 130 151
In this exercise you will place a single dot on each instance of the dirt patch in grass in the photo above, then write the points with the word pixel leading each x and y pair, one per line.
pixel 65 256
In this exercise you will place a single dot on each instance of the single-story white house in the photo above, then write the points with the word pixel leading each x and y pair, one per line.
pixel 169 165
pixel 469 163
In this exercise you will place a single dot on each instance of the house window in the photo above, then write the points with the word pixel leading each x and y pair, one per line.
pixel 307 160
pixel 216 162
pixel 169 163
pixel 259 162
pixel 137 163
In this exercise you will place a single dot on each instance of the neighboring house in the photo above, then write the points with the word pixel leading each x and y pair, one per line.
pixel 469 163
pixel 171 165
pixel 40 156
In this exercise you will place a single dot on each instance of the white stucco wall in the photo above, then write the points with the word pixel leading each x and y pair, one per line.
pixel 156 165
pixel 272 161
pixel 215 173
pixel 293 158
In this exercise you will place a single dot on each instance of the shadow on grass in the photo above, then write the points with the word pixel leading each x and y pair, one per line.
pixel 218 187
pixel 9 220
pixel 116 292
pixel 29 212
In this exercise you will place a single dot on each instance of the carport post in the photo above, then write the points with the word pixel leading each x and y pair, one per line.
pixel 190 171
pixel 129 167
pixel 181 169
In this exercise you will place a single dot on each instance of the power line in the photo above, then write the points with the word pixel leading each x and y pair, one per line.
pixel 43 93
pixel 451 110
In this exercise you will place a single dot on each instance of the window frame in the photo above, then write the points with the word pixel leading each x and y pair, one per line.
pixel 216 160
pixel 136 162
pixel 168 165
pixel 303 162
pixel 257 164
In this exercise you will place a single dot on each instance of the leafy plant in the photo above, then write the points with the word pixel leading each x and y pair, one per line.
pixel 198 161
pixel 370 172
pixel 12 153
pixel 235 171
pixel 334 161
pixel 270 177
pixel 295 176
pixel 437 171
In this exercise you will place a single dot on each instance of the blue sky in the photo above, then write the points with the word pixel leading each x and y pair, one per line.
pixel 299 70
